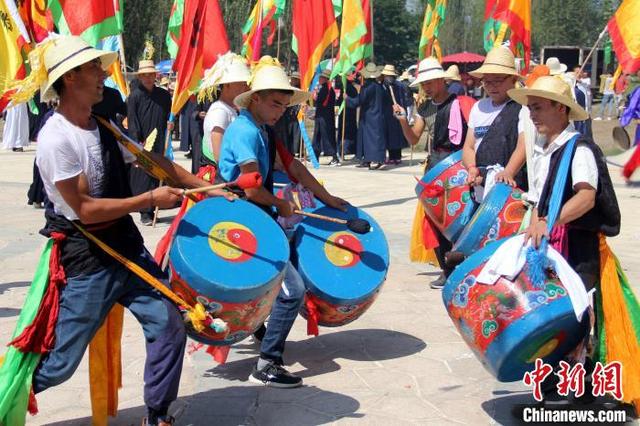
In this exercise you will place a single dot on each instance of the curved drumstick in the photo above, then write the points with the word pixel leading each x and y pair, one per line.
pixel 359 226
pixel 244 181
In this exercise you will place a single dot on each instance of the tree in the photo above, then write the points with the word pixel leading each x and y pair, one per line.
pixel 396 33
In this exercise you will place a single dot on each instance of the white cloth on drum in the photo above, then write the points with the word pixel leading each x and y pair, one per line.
pixel 479 191
pixel 509 259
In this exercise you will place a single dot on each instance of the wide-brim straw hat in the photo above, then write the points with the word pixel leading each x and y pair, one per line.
pixel 268 74
pixel 370 71
pixel 453 73
pixel 66 53
pixel 555 66
pixel 552 88
pixel 146 66
pixel 389 70
pixel 499 60
pixel 429 69
pixel 229 68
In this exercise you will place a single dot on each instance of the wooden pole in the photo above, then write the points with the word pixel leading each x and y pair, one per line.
pixel 595 46
pixel 278 45
pixel 167 141
pixel 344 117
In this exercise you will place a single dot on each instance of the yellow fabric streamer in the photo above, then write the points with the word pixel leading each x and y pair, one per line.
pixel 26 88
pixel 417 251
pixel 621 341
pixel 105 367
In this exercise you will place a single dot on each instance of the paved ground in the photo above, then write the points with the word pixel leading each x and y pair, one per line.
pixel 401 363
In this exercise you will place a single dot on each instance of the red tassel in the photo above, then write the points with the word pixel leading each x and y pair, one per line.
pixel 429 237
pixel 219 353
pixel 32 406
pixel 312 317
pixel 632 164
pixel 39 336
pixel 430 190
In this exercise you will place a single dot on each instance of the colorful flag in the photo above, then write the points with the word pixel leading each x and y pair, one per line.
pixel 367 40
pixel 116 79
pixel 351 33
pixel 174 27
pixel 434 16
pixel 513 16
pixel 13 39
pixel 624 30
pixel 203 26
pixel 257 22
pixel 91 20
pixel 314 29
pixel 37 18
pixel 337 7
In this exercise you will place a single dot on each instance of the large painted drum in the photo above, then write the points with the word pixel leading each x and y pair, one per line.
pixel 343 271
pixel 511 323
pixel 451 207
pixel 499 216
pixel 229 256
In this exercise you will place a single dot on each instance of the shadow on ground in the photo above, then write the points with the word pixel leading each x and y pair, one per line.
pixel 255 405
pixel 318 355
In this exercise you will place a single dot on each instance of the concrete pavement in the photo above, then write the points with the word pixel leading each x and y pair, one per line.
pixel 401 363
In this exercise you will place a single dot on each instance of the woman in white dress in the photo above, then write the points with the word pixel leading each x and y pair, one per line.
pixel 15 135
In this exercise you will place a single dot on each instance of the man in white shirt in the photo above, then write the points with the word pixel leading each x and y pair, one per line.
pixel 84 173
pixel 588 204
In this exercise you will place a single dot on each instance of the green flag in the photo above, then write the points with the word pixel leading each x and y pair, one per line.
pixel 174 27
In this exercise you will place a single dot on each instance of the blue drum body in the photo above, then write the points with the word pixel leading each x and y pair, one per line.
pixel 511 323
pixel 499 216
pixel 452 208
pixel 229 256
pixel 343 271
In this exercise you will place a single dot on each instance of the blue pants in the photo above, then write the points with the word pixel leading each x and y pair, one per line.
pixel 608 106
pixel 283 314
pixel 85 302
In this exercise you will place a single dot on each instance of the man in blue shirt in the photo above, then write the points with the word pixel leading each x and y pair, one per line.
pixel 249 145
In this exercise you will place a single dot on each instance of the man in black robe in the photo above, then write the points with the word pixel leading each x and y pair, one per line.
pixel 287 128
pixel 350 121
pixel 148 108
pixel 324 132
pixel 372 126
pixel 397 94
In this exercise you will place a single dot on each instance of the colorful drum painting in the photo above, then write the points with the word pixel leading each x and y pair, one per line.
pixel 499 216
pixel 511 323
pixel 451 207
pixel 343 271
pixel 231 257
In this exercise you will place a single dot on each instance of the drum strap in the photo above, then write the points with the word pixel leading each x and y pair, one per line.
pixel 537 259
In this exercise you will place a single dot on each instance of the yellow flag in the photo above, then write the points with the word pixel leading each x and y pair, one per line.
pixel 13 37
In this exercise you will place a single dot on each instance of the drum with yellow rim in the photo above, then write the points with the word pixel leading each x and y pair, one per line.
pixel 231 257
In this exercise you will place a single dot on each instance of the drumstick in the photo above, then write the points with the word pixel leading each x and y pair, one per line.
pixel 245 181
pixel 359 226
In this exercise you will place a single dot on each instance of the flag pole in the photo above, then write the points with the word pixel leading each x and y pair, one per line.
pixel 167 141
pixel 278 45
pixel 593 49
pixel 373 52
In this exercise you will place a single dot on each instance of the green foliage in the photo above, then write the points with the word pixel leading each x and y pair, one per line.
pixel 396 33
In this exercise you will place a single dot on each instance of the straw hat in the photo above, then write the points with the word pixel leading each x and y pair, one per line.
pixel 555 66
pixel 51 59
pixel 404 76
pixel 370 71
pixel 429 69
pixel 552 88
pixel 146 66
pixel 268 74
pixel 499 60
pixel 453 73
pixel 229 68
pixel 389 70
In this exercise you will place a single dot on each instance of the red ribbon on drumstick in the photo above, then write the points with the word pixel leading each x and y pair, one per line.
pixel 244 181
pixel 430 190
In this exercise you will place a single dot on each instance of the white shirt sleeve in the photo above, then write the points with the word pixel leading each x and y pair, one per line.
pixel 522 117
pixel 216 117
pixel 56 157
pixel 584 168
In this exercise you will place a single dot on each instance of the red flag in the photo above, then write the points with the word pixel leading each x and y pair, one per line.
pixel 314 29
pixel 37 18
pixel 91 20
pixel 202 26
pixel 367 39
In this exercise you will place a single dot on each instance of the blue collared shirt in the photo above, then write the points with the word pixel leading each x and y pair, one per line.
pixel 243 142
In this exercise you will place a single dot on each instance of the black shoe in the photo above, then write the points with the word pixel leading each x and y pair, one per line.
pixel 188 154
pixel 438 283
pixel 146 219
pixel 375 166
pixel 18 149
pixel 363 164
pixel 334 162
pixel 275 376
pixel 259 333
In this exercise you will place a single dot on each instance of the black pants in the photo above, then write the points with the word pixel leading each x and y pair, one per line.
pixel 395 154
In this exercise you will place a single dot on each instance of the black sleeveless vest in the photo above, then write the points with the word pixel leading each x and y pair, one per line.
pixel 501 141
pixel 605 215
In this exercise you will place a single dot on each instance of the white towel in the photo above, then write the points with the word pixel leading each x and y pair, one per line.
pixel 510 258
